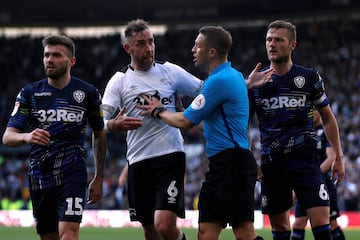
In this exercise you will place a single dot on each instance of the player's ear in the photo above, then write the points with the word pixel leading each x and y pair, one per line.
pixel 126 47
pixel 212 52
pixel 72 61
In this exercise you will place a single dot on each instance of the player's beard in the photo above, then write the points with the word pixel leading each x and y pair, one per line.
pixel 145 62
pixel 279 60
pixel 58 73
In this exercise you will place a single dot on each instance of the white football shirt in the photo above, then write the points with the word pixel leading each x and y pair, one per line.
pixel 162 80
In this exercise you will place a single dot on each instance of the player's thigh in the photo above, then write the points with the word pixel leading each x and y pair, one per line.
pixel 308 180
pixel 319 216
pixel 71 201
pixel 45 210
pixel 298 210
pixel 276 187
pixel 169 184
pixel 141 195
pixel 310 189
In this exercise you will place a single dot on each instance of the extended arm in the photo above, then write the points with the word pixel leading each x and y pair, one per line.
pixel 332 133
pixel 99 148
pixel 13 137
pixel 175 119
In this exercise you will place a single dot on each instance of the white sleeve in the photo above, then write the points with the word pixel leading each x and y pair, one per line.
pixel 186 83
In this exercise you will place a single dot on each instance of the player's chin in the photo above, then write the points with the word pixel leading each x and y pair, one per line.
pixel 147 63
pixel 148 59
pixel 53 75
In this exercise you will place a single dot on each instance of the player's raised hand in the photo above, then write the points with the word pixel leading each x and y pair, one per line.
pixel 123 122
pixel 257 79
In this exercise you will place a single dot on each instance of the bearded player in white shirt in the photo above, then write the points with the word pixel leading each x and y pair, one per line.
pixel 155 150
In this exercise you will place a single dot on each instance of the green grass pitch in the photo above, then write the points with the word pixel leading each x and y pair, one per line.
pixel 22 233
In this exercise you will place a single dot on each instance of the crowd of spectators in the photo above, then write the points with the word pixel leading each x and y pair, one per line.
pixel 332 46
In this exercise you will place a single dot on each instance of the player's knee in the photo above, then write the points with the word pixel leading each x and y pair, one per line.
pixel 165 228
pixel 244 230
pixel 150 231
pixel 69 230
pixel 300 223
pixel 280 227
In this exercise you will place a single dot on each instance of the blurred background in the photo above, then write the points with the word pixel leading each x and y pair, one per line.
pixel 328 39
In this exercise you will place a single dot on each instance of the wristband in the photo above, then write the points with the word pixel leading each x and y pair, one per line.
pixel 155 112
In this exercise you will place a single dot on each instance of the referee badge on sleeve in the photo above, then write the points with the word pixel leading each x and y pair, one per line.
pixel 199 102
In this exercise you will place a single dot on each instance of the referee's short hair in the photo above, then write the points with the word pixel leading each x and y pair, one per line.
pixel 218 38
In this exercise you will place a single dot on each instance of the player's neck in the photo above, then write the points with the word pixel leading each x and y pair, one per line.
pixel 282 68
pixel 141 67
pixel 60 82
pixel 215 63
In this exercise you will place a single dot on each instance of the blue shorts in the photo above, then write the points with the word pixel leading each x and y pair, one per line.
pixel 156 184
pixel 227 194
pixel 63 203
pixel 297 171
pixel 334 207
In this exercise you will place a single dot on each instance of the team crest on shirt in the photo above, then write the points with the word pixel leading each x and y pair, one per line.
pixel 199 102
pixel 133 87
pixel 79 96
pixel 299 81
pixel 165 81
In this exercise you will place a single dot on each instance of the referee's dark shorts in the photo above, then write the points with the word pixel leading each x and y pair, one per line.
pixel 227 194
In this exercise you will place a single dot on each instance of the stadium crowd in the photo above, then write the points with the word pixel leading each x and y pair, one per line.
pixel 333 46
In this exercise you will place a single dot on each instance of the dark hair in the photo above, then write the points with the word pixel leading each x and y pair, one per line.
pixel 135 26
pixel 218 38
pixel 60 40
pixel 284 24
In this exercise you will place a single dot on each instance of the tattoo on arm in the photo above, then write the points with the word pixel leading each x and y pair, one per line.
pixel 99 148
